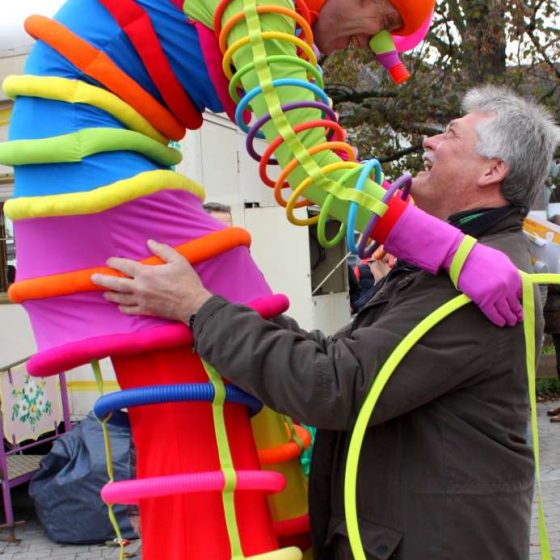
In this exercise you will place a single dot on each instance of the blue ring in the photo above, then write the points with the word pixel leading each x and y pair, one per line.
pixel 140 396
pixel 248 97
pixel 360 184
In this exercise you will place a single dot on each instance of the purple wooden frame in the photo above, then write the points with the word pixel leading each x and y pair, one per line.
pixel 16 449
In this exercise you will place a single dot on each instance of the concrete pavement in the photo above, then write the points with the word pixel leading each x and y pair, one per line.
pixel 549 438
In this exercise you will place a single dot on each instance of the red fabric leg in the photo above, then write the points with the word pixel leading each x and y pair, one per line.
pixel 179 438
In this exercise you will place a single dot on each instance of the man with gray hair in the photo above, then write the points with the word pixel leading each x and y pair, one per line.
pixel 219 211
pixel 516 137
pixel 446 470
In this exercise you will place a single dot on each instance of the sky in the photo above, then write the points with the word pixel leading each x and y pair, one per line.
pixel 12 35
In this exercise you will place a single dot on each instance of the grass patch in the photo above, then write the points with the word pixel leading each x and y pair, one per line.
pixel 548 388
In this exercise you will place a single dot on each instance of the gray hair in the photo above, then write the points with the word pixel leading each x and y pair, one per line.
pixel 216 207
pixel 522 133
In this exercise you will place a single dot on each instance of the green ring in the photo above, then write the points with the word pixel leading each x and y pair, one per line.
pixel 274 58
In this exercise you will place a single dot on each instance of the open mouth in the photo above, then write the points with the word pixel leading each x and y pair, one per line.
pixel 428 163
pixel 358 42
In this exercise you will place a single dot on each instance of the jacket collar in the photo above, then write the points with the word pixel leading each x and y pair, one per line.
pixel 482 221
pixel 478 223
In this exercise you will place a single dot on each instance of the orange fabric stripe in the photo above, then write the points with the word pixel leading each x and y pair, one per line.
pixel 287 451
pixel 100 67
pixel 67 283
pixel 136 23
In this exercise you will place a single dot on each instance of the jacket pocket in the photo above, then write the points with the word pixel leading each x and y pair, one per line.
pixel 379 542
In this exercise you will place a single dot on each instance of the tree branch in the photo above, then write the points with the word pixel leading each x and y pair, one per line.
pixel 341 93
pixel 398 155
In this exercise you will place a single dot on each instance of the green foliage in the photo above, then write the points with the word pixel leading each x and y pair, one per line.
pixel 548 388
pixel 471 42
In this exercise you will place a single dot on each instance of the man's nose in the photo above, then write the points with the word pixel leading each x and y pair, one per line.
pixel 431 142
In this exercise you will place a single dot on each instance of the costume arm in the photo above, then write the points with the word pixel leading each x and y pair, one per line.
pixel 282 121
pixel 324 383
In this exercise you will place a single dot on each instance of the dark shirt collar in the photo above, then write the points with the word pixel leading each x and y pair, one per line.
pixel 478 221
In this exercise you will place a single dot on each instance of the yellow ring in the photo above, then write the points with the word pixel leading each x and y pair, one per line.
pixel 226 63
pixel 304 184
pixel 279 185
pixel 291 553
pixel 76 91
pixel 101 198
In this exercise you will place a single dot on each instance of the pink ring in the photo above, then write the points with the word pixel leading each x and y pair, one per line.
pixel 131 491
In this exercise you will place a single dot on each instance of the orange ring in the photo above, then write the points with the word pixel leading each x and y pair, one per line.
pixel 263 163
pixel 100 67
pixel 341 146
pixel 301 8
pixel 233 21
pixel 68 283
pixel 287 451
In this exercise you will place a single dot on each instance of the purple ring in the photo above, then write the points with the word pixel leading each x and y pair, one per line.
pixel 405 191
pixel 404 182
pixel 288 107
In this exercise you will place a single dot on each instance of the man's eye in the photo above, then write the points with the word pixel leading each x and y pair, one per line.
pixel 391 22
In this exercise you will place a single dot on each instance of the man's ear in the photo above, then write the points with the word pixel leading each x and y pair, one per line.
pixel 495 173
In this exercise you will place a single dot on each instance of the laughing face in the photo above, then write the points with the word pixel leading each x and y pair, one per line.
pixel 342 22
pixel 455 176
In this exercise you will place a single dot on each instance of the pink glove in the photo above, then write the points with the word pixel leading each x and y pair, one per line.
pixel 488 277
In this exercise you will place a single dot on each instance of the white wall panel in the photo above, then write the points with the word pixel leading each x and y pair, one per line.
pixel 281 251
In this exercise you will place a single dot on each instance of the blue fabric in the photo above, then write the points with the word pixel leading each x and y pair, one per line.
pixel 42 118
pixel 182 49
pixel 33 117
pixel 92 172
pixel 100 30
pixel 177 37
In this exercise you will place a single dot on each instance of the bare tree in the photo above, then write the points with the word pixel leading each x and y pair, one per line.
pixel 511 42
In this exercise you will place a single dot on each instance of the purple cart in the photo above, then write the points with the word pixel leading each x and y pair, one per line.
pixel 17 466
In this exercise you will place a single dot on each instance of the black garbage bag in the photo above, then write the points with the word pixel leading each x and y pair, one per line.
pixel 66 489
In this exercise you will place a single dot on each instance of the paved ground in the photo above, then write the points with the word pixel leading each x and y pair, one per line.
pixel 550 475
pixel 34 544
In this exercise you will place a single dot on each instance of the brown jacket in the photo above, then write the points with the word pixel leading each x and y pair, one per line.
pixel 552 310
pixel 445 472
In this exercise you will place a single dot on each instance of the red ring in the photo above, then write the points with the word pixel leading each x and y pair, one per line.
pixel 292 526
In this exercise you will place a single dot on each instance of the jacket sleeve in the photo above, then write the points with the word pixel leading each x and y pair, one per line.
pixel 323 382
